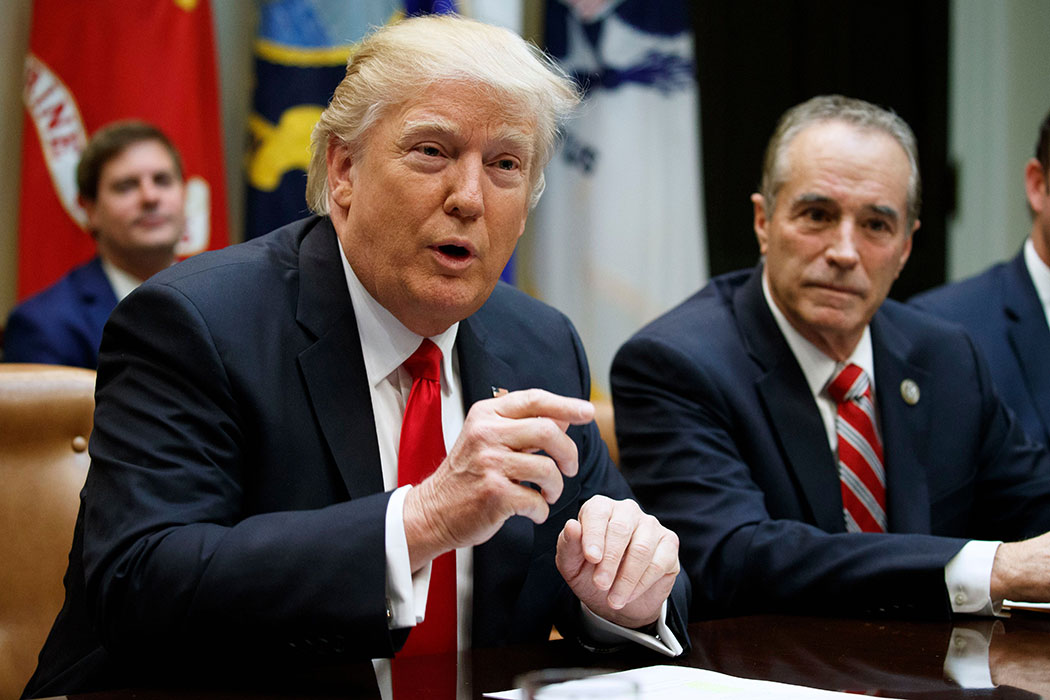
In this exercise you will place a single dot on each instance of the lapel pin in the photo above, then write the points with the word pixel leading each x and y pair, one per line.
pixel 910 392
pixel 498 392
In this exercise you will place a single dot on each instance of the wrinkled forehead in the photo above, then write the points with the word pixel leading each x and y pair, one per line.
pixel 853 154
pixel 422 124
pixel 464 110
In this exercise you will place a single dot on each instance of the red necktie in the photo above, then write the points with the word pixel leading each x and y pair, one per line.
pixel 861 471
pixel 421 450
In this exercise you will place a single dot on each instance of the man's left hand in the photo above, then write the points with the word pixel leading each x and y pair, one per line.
pixel 620 562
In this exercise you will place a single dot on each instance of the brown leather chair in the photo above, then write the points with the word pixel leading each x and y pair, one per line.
pixel 45 420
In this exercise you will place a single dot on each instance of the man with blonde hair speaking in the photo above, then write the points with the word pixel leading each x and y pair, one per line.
pixel 317 445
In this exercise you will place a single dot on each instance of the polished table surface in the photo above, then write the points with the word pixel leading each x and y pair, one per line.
pixel 891 658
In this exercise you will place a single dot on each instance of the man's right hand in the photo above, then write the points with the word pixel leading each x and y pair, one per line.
pixel 1021 570
pixel 481 483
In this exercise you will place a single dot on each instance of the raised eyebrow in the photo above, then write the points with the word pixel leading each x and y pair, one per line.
pixel 515 141
pixel 812 198
pixel 505 139
pixel 428 127
pixel 884 211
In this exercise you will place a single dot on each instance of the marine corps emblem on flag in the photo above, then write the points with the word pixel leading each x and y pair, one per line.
pixel 90 64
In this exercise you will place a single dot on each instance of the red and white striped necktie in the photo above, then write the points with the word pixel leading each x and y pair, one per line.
pixel 861 471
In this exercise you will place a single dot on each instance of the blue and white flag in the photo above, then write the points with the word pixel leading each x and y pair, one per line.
pixel 618 236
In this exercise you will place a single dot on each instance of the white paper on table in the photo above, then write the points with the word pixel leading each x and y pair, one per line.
pixel 1016 605
pixel 683 683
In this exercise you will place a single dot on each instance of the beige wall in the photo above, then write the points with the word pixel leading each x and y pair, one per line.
pixel 14 37
pixel 999 93
pixel 235 28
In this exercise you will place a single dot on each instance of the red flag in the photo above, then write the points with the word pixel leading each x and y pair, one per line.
pixel 91 63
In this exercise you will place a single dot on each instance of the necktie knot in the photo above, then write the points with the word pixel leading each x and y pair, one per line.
pixel 850 383
pixel 425 362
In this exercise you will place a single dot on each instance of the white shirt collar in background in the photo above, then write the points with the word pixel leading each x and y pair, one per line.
pixel 1040 274
pixel 122 283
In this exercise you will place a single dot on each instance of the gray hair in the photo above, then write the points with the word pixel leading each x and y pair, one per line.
pixel 399 61
pixel 826 108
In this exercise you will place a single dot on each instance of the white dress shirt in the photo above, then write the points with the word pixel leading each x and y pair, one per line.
pixel 122 283
pixel 385 345
pixel 1039 271
pixel 968 574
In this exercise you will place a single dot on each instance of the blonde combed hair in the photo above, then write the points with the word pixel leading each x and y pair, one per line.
pixel 399 61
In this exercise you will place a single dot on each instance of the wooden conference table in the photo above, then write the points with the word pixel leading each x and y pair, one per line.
pixel 884 658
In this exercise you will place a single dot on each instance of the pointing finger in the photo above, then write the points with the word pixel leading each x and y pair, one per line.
pixel 531 403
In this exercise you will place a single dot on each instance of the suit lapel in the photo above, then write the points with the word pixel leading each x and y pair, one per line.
pixel 333 367
pixel 95 292
pixel 480 371
pixel 792 412
pixel 501 564
pixel 1029 335
pixel 904 425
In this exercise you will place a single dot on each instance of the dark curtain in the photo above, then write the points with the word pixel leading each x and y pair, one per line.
pixel 757 58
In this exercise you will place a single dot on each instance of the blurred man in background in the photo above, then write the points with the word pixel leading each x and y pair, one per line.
pixel 130 184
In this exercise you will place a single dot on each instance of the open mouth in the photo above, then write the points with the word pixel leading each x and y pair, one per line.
pixel 455 251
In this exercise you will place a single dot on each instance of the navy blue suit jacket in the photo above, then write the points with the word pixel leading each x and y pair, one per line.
pixel 232 525
pixel 62 325
pixel 720 438
pixel 1001 310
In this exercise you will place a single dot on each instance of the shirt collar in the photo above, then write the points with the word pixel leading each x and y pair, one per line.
pixel 818 368
pixel 385 342
pixel 122 283
pixel 1039 272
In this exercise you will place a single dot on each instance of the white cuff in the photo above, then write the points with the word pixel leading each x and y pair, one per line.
pixel 604 631
pixel 406 593
pixel 968 577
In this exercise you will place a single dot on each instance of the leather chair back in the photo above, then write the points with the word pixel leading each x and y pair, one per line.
pixel 45 421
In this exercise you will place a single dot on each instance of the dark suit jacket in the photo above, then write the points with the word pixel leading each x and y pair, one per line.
pixel 722 440
pixel 62 325
pixel 1001 310
pixel 232 525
